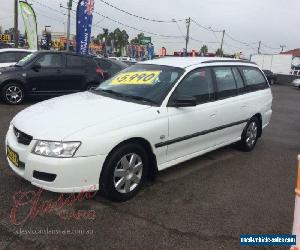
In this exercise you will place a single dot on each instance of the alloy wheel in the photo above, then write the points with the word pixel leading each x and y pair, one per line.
pixel 128 173
pixel 14 94
pixel 251 134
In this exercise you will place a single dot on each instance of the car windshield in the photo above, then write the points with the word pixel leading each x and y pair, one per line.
pixel 142 82
pixel 25 60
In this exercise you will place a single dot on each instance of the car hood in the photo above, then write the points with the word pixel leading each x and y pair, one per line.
pixel 60 117
pixel 10 68
pixel 3 65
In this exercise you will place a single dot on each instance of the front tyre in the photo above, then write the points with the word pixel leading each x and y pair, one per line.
pixel 124 172
pixel 250 135
pixel 13 94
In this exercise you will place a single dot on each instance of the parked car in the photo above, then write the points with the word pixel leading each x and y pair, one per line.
pixel 5 45
pixel 127 60
pixel 272 78
pixel 46 73
pixel 110 66
pixel 9 57
pixel 149 117
pixel 296 83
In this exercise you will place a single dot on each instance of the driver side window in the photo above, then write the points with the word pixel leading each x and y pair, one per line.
pixel 198 84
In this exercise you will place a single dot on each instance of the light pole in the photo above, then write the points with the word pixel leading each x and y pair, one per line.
pixel 69 8
pixel 188 24
pixel 223 34
pixel 16 33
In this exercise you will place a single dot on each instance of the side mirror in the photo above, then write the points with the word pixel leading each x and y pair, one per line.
pixel 36 67
pixel 184 101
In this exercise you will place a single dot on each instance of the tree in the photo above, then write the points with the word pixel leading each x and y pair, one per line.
pixel 137 39
pixel 118 39
pixel 204 49
pixel 103 37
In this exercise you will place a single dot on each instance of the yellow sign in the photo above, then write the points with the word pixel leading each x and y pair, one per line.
pixel 5 38
pixel 138 77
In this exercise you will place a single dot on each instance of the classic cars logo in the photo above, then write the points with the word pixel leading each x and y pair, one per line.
pixel 29 205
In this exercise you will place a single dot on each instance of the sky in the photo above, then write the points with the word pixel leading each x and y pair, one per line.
pixel 273 22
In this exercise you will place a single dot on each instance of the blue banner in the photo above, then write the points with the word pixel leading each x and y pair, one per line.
pixel 84 19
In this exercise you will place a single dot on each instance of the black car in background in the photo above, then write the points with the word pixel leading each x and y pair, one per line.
pixel 47 73
pixel 272 78
pixel 111 67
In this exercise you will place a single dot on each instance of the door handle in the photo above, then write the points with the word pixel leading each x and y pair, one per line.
pixel 244 106
pixel 212 115
pixel 58 71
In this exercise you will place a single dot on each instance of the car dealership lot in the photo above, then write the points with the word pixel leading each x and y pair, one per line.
pixel 203 203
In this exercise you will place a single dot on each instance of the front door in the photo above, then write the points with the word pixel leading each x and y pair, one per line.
pixel 191 129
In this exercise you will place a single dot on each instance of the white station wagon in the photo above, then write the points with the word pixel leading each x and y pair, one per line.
pixel 147 118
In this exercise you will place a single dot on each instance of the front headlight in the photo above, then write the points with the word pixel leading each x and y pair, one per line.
pixel 56 149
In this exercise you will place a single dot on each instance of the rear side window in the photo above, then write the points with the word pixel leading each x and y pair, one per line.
pixel 225 82
pixel 109 66
pixel 74 61
pixel 238 79
pixel 103 64
pixel 254 79
pixel 197 84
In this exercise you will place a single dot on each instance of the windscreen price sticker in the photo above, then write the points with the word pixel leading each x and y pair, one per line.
pixel 139 77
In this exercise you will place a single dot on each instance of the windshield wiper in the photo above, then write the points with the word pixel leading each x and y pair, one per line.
pixel 138 98
pixel 112 92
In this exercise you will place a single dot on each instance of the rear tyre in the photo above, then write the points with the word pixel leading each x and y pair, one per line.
pixel 250 135
pixel 124 172
pixel 13 94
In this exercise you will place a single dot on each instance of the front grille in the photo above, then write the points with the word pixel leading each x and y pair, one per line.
pixel 22 137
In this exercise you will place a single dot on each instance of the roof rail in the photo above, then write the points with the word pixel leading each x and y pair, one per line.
pixel 238 61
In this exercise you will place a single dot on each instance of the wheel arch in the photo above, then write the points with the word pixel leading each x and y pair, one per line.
pixel 259 117
pixel 8 81
pixel 147 146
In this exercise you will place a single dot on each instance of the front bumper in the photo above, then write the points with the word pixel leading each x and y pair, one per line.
pixel 296 84
pixel 72 175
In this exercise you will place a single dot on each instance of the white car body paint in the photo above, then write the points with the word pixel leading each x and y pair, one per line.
pixel 8 64
pixel 101 123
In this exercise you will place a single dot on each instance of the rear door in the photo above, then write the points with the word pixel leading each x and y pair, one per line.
pixel 230 103
pixel 49 79
pixel 75 73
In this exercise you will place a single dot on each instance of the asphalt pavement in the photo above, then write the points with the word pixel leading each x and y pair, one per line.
pixel 205 203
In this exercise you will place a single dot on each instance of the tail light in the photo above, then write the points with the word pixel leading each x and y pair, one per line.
pixel 100 72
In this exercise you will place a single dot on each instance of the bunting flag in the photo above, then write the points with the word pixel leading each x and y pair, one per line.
pixel 84 19
pixel 30 24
